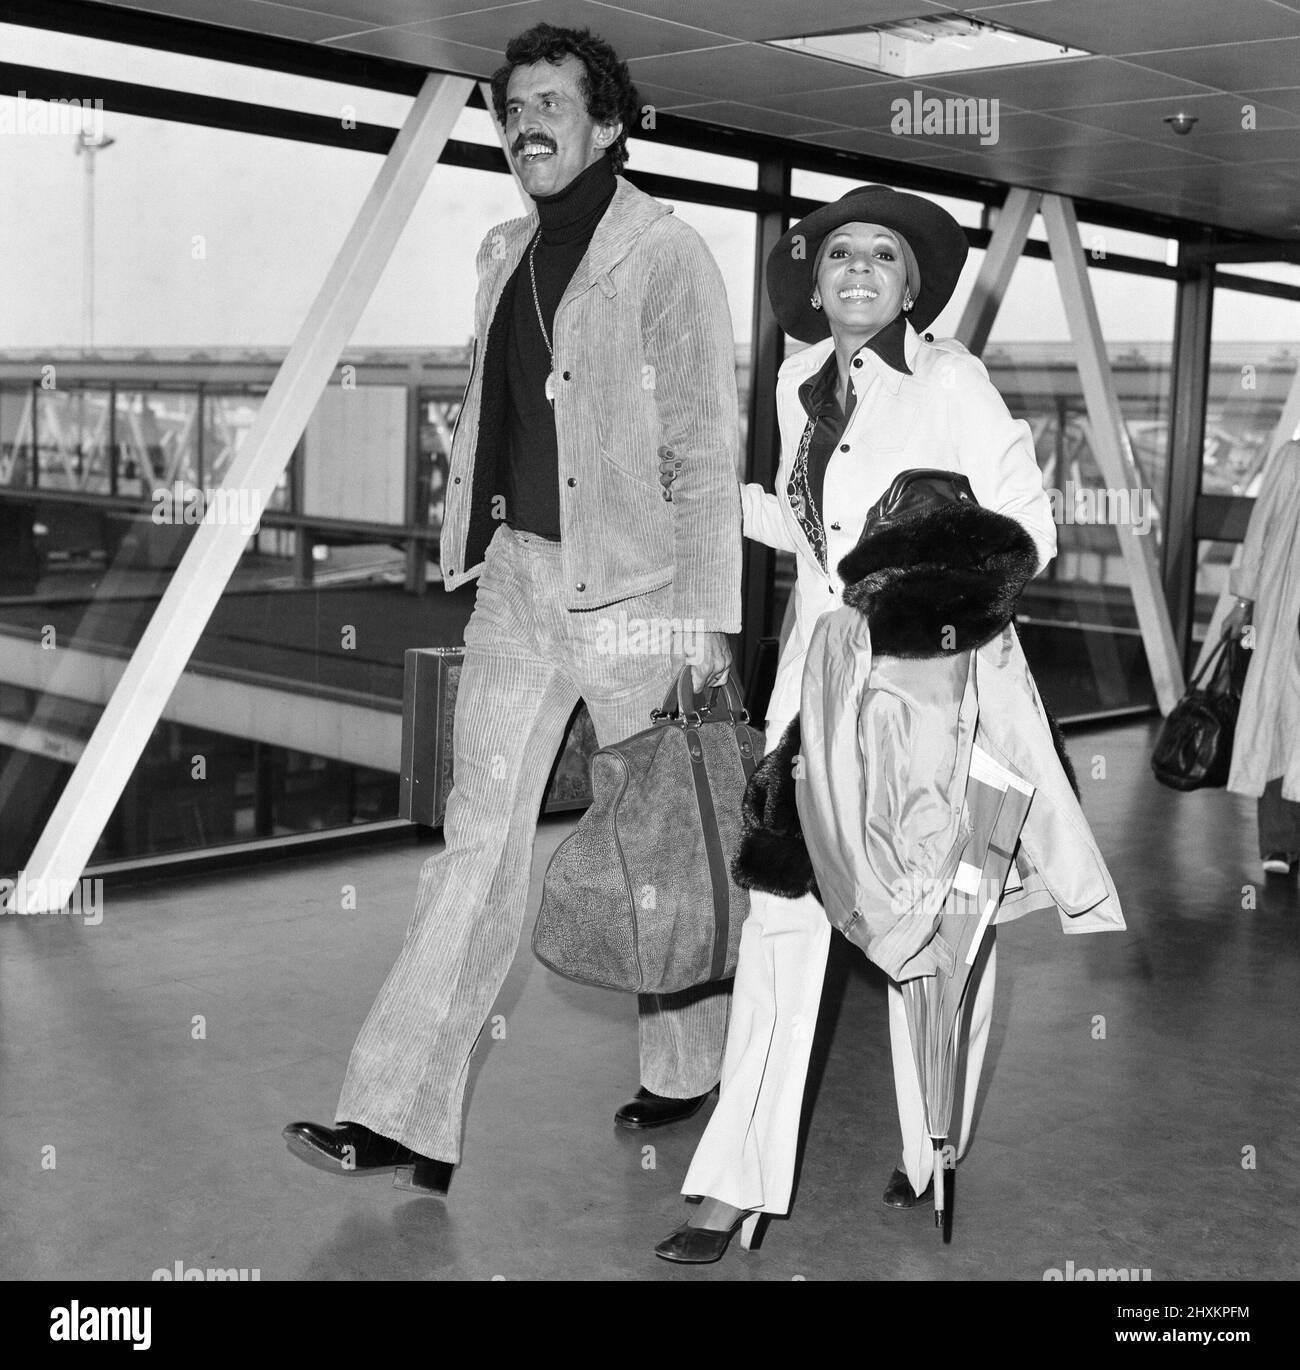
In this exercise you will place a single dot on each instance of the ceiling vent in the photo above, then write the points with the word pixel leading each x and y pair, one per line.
pixel 932 46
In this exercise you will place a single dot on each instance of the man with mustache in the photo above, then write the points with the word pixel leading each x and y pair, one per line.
pixel 602 332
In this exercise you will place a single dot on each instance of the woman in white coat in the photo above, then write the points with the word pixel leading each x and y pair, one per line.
pixel 870 398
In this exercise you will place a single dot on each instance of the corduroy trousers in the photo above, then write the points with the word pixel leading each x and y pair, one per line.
pixel 527 663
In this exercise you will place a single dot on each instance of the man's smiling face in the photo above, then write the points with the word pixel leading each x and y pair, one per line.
pixel 551 136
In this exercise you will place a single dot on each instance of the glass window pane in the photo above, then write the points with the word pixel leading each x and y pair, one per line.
pixel 1100 242
pixel 193 309
pixel 425 297
pixel 1079 624
pixel 1254 350
pixel 1214 563
pixel 229 254
pixel 1286 273
pixel 98 57
pixel 645 154
pixel 476 126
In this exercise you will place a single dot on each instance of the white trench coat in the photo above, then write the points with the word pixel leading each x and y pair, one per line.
pixel 946 414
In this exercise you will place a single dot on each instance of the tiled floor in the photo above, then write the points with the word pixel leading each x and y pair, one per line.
pixel 132 1138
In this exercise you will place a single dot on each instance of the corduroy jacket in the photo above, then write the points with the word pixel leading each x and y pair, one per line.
pixel 644 356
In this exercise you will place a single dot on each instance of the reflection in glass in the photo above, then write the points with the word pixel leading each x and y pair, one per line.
pixel 1254 351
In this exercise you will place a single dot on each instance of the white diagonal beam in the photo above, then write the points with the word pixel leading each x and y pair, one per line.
pixel 128 720
pixel 1111 445
pixel 1006 244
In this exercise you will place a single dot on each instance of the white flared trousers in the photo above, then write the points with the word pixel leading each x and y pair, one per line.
pixel 746 1157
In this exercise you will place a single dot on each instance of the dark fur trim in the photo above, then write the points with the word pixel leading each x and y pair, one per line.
pixel 772 855
pixel 940 583
pixel 1063 756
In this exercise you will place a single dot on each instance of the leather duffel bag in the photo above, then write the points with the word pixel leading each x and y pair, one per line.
pixel 640 897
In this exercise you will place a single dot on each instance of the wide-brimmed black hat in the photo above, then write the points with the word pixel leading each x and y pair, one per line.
pixel 937 240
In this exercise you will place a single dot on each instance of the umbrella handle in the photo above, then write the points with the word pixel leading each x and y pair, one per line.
pixel 938 1181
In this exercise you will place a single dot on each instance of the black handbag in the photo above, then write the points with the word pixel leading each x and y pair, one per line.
pixel 640 898
pixel 916 491
pixel 1194 749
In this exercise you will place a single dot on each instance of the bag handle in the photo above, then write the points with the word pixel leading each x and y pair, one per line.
pixel 689 706
pixel 1210 665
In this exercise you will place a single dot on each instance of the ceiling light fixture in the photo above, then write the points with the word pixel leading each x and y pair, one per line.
pixel 930 46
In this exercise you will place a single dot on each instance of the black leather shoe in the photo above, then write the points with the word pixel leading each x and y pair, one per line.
pixel 348 1149
pixel 900 1194
pixel 645 1109
pixel 426 1176
pixel 704 1245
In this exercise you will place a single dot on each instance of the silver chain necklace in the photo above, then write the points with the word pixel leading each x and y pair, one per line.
pixel 532 276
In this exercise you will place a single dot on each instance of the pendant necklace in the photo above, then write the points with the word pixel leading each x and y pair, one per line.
pixel 532 276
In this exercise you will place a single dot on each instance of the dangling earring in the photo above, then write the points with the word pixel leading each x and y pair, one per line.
pixel 907 302
pixel 814 301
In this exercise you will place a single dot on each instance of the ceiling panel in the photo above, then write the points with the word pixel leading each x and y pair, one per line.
pixel 1120 26
pixel 737 71
pixel 1089 126
pixel 1214 114
pixel 1244 146
pixel 751 117
pixel 862 106
pixel 1260 64
pixel 871 145
pixel 1121 159
pixel 755 19
pixel 423 50
pixel 382 13
pixel 1017 133
pixel 277 20
pixel 1072 81
pixel 628 32
pixel 663 98
pixel 1287 99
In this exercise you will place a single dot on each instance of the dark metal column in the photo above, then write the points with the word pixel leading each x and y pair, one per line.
pixel 1191 370
pixel 416 556
pixel 764 447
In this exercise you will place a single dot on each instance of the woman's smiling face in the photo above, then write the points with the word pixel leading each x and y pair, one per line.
pixel 861 279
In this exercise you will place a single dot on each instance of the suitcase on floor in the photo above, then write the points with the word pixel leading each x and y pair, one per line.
pixel 432 677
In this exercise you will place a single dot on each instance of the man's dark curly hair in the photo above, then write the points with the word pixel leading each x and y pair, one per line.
pixel 607 86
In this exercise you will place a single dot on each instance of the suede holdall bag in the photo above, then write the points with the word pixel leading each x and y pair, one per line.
pixel 640 897
pixel 1194 749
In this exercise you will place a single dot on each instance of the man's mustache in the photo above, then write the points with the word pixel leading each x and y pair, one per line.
pixel 525 138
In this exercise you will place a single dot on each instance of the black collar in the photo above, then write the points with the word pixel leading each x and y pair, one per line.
pixel 574 212
pixel 818 392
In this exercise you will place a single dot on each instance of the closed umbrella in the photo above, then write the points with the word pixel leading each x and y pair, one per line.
pixel 996 803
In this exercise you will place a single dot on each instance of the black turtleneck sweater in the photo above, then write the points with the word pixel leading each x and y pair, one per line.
pixel 567 221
